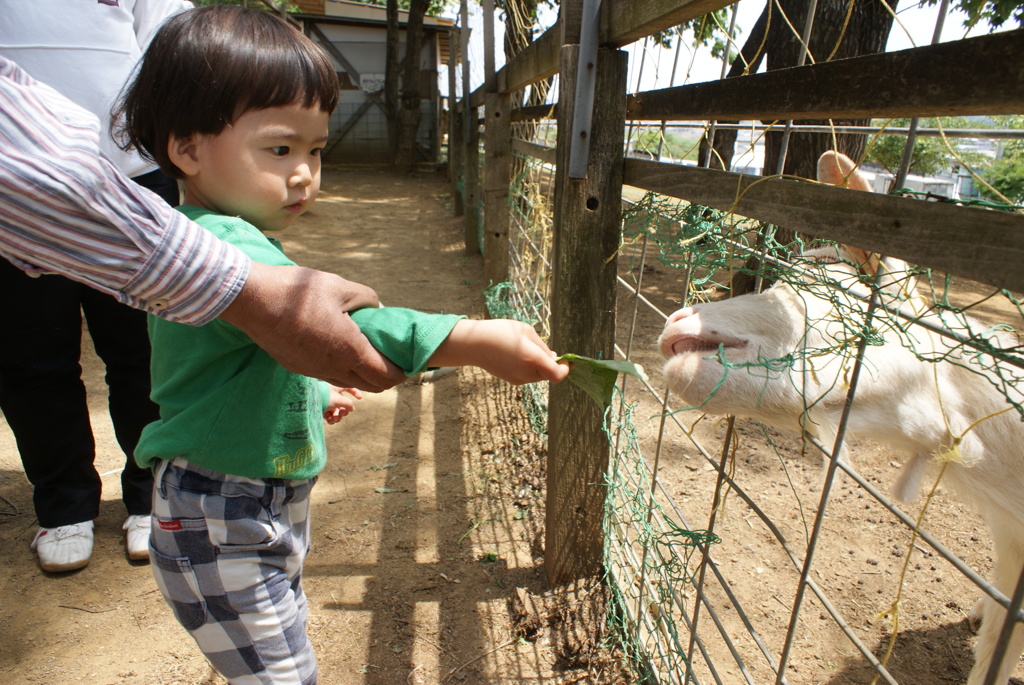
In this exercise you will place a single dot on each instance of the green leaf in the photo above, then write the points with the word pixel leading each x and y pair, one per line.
pixel 597 376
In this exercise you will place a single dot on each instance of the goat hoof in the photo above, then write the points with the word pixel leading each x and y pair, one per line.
pixel 976 615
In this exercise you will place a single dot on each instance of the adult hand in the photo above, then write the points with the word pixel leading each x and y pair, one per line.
pixel 300 317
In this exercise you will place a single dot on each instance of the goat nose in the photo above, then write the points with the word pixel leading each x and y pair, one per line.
pixel 680 314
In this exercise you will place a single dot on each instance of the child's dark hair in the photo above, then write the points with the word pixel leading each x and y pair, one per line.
pixel 208 66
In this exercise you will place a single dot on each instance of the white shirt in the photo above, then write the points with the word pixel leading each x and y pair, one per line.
pixel 86 50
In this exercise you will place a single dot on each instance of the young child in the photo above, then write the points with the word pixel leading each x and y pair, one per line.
pixel 235 103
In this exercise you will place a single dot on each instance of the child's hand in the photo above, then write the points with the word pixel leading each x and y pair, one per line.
pixel 341 404
pixel 510 350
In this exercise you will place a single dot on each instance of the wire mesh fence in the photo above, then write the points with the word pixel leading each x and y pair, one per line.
pixel 720 546
pixel 751 532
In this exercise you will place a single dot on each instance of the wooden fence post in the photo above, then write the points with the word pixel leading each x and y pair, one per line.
pixel 457 152
pixel 497 177
pixel 471 177
pixel 471 145
pixel 497 167
pixel 455 125
pixel 587 219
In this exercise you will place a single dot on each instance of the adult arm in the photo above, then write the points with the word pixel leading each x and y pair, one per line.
pixel 300 317
pixel 65 208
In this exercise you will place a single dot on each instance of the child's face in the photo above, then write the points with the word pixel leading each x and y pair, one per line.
pixel 265 167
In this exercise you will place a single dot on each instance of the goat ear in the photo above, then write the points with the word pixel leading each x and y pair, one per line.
pixel 836 169
pixel 866 261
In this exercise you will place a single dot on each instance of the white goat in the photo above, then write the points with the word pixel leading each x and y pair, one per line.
pixel 954 410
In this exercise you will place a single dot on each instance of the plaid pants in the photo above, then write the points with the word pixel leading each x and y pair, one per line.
pixel 227 554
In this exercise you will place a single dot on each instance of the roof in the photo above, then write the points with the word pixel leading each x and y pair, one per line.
pixel 346 11
pixel 361 13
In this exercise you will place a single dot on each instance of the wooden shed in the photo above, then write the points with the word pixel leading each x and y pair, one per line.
pixel 355 35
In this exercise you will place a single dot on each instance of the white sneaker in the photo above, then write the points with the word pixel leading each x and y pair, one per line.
pixel 64 548
pixel 136 537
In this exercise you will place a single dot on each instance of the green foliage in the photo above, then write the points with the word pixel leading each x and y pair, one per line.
pixel 671 144
pixel 1006 174
pixel 930 154
pixel 994 12
pixel 709 29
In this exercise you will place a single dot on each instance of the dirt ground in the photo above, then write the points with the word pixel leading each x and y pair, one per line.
pixel 429 518
pixel 426 521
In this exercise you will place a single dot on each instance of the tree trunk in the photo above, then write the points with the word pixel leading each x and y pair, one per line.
pixel 392 77
pixel 866 33
pixel 409 111
pixel 831 38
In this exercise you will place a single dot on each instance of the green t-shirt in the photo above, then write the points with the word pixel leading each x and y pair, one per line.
pixel 226 405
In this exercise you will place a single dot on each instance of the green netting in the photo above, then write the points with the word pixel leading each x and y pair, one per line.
pixel 648 580
pixel 635 519
pixel 650 556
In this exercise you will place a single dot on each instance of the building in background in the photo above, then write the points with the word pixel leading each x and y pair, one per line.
pixel 355 36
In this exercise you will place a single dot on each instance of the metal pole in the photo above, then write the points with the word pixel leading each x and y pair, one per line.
pixel 829 478
pixel 583 110
pixel 908 148
pixel 808 25
pixel 639 78
pixel 706 162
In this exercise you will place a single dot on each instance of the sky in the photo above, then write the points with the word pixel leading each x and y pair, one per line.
pixel 652 67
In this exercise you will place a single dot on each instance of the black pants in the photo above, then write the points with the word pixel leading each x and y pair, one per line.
pixel 42 395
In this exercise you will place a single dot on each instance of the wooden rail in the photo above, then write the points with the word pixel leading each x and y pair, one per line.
pixel 961 78
pixel 626 21
pixel 980 244
pixel 544 154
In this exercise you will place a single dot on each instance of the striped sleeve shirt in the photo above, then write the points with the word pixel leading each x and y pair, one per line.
pixel 65 208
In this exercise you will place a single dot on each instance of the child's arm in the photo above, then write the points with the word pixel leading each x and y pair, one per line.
pixel 341 403
pixel 510 350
